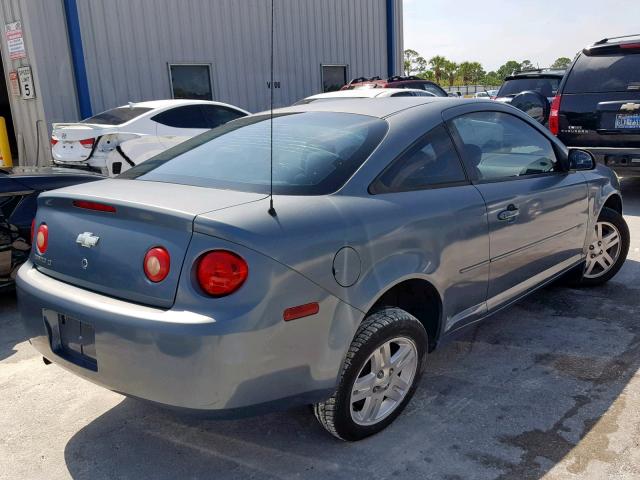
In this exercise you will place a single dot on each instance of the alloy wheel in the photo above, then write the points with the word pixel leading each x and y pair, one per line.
pixel 384 381
pixel 604 250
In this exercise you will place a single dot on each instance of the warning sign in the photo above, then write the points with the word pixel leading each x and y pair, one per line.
pixel 15 41
pixel 14 86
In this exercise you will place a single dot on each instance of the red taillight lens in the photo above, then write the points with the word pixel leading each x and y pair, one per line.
pixel 221 272
pixel 156 264
pixel 33 230
pixel 42 239
pixel 630 45
pixel 54 140
pixel 87 142
pixel 100 207
pixel 554 115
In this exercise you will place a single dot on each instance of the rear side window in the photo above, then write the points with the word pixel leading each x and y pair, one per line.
pixel 604 73
pixel 215 116
pixel 429 87
pixel 499 146
pixel 188 116
pixel 547 87
pixel 314 153
pixel 432 161
pixel 116 116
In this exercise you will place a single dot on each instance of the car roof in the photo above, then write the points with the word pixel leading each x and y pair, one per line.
pixel 542 73
pixel 157 104
pixel 362 93
pixel 373 107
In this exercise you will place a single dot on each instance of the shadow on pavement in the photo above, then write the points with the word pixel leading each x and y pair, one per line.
pixel 509 402
pixel 11 331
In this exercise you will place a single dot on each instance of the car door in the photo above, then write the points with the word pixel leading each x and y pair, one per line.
pixel 537 213
pixel 431 207
pixel 183 121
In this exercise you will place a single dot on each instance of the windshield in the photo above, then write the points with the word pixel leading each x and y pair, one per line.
pixel 604 73
pixel 314 153
pixel 546 86
pixel 116 116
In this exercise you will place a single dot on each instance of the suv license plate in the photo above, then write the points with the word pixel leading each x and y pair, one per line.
pixel 628 121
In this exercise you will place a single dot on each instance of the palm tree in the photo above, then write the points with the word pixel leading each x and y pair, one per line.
pixel 450 71
pixel 437 64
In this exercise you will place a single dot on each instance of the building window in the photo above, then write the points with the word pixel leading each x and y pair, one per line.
pixel 333 77
pixel 192 81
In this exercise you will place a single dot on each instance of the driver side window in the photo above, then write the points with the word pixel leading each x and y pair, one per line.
pixel 500 146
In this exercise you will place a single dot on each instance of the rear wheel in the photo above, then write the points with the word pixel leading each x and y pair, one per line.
pixel 608 248
pixel 379 377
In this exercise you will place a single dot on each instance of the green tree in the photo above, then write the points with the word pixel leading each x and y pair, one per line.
pixel 450 71
pixel 508 68
pixel 526 65
pixel 437 64
pixel 561 62
pixel 492 78
pixel 427 75
pixel 413 62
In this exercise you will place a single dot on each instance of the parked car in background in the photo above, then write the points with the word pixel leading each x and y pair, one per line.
pixel 19 189
pixel 486 94
pixel 545 81
pixel 365 93
pixel 531 91
pixel 96 143
pixel 598 103
pixel 393 223
pixel 412 82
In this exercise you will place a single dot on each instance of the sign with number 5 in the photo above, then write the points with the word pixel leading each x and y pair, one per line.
pixel 26 82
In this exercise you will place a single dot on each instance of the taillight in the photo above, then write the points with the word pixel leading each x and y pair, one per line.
pixel 87 142
pixel 221 272
pixel 554 115
pixel 42 239
pixel 100 207
pixel 54 140
pixel 156 264
pixel 33 229
pixel 630 45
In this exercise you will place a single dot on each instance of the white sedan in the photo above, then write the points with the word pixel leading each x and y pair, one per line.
pixel 366 93
pixel 114 141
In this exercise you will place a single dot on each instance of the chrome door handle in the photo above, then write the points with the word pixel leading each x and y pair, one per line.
pixel 509 214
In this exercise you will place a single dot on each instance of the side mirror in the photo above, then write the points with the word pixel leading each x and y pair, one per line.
pixel 581 160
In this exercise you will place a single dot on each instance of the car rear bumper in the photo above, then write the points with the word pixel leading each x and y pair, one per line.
pixel 189 360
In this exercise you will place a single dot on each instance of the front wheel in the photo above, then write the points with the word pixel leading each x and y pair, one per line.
pixel 608 248
pixel 379 376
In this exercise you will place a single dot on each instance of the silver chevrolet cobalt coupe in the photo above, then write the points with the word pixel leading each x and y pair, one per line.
pixel 395 223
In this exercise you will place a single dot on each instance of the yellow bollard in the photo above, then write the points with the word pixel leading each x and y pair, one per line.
pixel 5 150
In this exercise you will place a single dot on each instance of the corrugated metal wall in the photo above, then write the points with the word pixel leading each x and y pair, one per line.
pixel 47 53
pixel 128 44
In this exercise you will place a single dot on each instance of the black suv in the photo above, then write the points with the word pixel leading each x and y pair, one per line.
pixel 544 81
pixel 598 103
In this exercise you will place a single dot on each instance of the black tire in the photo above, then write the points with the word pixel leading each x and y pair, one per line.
pixel 613 217
pixel 376 329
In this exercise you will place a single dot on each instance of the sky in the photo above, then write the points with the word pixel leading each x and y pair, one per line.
pixel 492 32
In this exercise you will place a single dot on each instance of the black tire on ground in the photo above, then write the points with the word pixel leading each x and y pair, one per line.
pixel 613 217
pixel 378 328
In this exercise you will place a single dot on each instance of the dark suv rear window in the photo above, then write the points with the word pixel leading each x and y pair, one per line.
pixel 116 116
pixel 546 86
pixel 314 153
pixel 604 73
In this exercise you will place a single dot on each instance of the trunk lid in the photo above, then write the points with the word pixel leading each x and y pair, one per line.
pixel 594 119
pixel 147 215
pixel 70 141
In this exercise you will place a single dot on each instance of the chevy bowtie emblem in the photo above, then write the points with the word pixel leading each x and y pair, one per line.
pixel 630 106
pixel 87 239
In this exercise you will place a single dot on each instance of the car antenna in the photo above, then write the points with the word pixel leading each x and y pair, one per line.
pixel 272 210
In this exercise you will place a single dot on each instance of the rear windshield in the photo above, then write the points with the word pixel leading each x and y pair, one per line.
pixel 314 153
pixel 546 86
pixel 604 73
pixel 116 116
